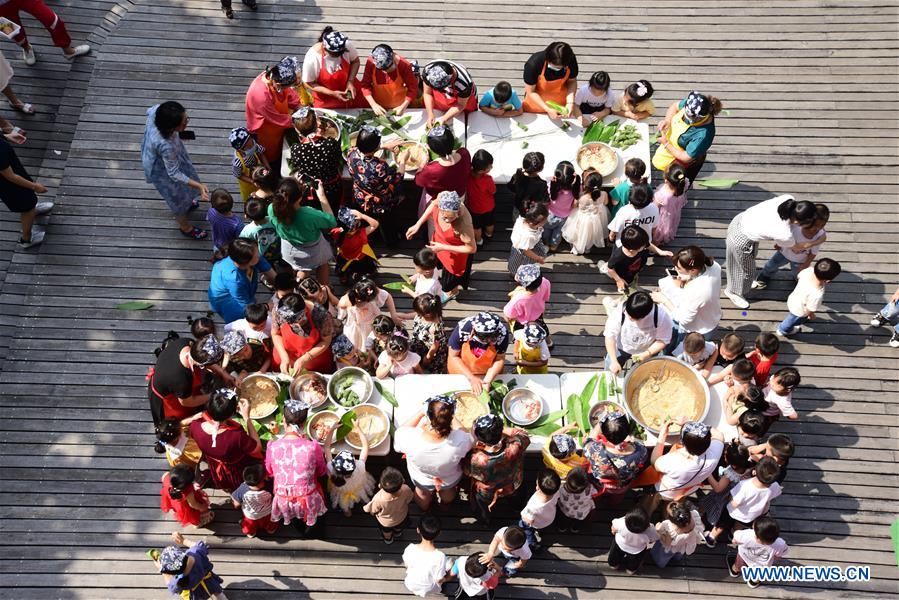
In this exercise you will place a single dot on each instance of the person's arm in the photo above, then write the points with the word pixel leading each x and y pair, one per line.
pixel 720 375
pixel 391 308
pixel 659 252
pixel 665 123
pixel 278 345
pixel 454 110
pixel 612 353
pixel 173 170
pixel 383 369
pixel 659 449
pixel 351 81
pixel 365 87
pixel 620 283
pixel 415 419
pixel 727 407
pixel 531 91
pixel 428 97
pixel 417 369
pixel 243 406
pixel 706 369
pixel 456 364
pixel 323 345
pixel 492 551
pixel 410 233
pixel 571 89
pixel 717 485
pixel 363 456
pixel 656 347
pixel 373 224
pixel 326 446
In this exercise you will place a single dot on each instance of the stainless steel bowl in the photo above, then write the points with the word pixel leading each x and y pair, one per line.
pixel 319 416
pixel 250 379
pixel 378 413
pixel 300 380
pixel 650 368
pixel 364 391
pixel 522 394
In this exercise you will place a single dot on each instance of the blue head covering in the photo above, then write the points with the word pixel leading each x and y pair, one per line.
pixel 286 71
pixel 449 200
pixel 347 218
pixel 534 334
pixel 439 75
pixel 696 106
pixel 344 463
pixel 382 55
pixel 233 342
pixel 239 137
pixel 334 42
pixel 527 274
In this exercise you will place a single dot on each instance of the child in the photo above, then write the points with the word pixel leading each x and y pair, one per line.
pixel 641 212
pixel 188 573
pixel 634 174
pixel 245 356
pixel 531 352
pixel 181 495
pixel 527 302
pixel 756 547
pixel 736 402
pixel 202 326
pixel 345 353
pixel 527 245
pixel 256 324
pixel 254 501
pixel 526 186
pixel 564 189
pixel 248 156
pixel 362 303
pixel 679 534
pixel 749 500
pixel 348 481
pixel 501 101
pixel 627 260
pixel 382 329
pixel 593 100
pixel 480 196
pixel 178 446
pixel 763 357
pixel 800 256
pixel 889 315
pixel 390 505
pixel 226 226
pixel 428 333
pixel 540 511
pixel 396 360
pixel 633 534
pixel 741 375
pixel 260 229
pixel 779 394
pixel 779 447
pixel 808 295
pixel 697 353
pixel 635 103
pixel 427 277
pixel 354 254
pixel 670 197
pixel 426 566
pixel 752 425
pixel 512 543
pixel 575 501
pixel 266 181
pixel 730 349
pixel 310 289
pixel 561 454
pixel 586 224
pixel 475 578
pixel 284 285
pixel 737 467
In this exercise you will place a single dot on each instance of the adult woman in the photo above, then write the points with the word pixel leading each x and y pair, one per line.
pixel 686 133
pixel 168 166
pixel 301 334
pixel 271 99
pixel 316 157
pixel 447 86
pixel 693 297
pixel 615 458
pixel 768 220
pixel 388 81
pixel 637 328
pixel 233 283
pixel 300 228
pixel 329 71
pixel 227 448
pixel 550 76
pixel 452 240
pixel 434 451
pixel 477 349
pixel 449 172
pixel 18 192
pixel 495 464
pixel 296 463
pixel 687 465
pixel 174 382
pixel 15 103
pixel 375 181
pixel 49 19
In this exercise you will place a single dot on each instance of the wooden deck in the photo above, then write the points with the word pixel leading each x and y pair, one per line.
pixel 812 90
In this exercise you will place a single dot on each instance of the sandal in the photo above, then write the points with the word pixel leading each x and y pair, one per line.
pixel 24 107
pixel 229 13
pixel 195 233
pixel 194 205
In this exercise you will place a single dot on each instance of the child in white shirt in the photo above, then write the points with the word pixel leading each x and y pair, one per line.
pixel 256 324
pixel 512 543
pixel 427 277
pixel 633 534
pixel 540 511
pixel 779 394
pixel 807 296
pixel 808 241
pixel 426 566
pixel 640 211
pixel 757 547
pixel 750 499
pixel 593 100
pixel 476 578
pixel 678 534
pixel 697 353
pixel 396 360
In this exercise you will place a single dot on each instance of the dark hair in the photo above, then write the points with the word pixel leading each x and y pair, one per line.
pixel 306 124
pixel 391 480
pixel 308 287
pixel 364 289
pixel 294 302
pixel 221 200
pixel 676 175
pixel 640 195
pixel 440 414
pixel 168 430
pixel 368 140
pixel 559 53
pixel 733 343
pixel 481 160
pixel 514 537
pixel 254 474
pixel 282 266
pixel 502 91
pixel 548 481
pixel 802 212
pixel 285 282
pixel 473 566
pixel 631 90
pixel 428 305
pixel 616 430
pixel 692 258
pixel 679 514
pixel 827 269
pixel 181 477
pixel 736 455
pixel 295 414
pixel 694 342
pixel 766 529
pixel 592 183
pixel 743 369
pixel 753 424
pixel 397 345
pixel 788 377
pixel 767 343
pixel 491 435
pixel 197 354
pixel 429 527
pixel 565 178
pixel 634 238
pixel 600 80
pixel 255 210
pixel 753 398
pixel 168 117
pixel 695 443
pixel 534 285
pixel 636 520
pixel 257 314
pixel 444 144
pixel 767 470
pixel 536 212
pixel 576 481
pixel 202 326
pixel 782 447
pixel 533 162
pixel 266 179
pixel 425 259
pixel 222 405
pixel 289 193
pixel 635 169
pixel 822 213
pixel 170 337
pixel 639 304
pixel 383 325
pixel 241 250
pixel 554 450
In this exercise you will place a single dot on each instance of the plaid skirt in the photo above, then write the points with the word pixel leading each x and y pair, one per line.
pixel 741 253
pixel 516 258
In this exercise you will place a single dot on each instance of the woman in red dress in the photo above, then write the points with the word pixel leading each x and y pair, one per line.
pixel 271 100
pixel 302 332
pixel 449 171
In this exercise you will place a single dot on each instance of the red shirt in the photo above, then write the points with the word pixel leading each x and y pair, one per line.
pixel 762 367
pixel 372 74
pixel 481 190
pixel 436 178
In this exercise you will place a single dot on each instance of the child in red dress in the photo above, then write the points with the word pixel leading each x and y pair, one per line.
pixel 181 495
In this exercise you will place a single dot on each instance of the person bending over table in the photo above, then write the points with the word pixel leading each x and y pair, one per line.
pixel 477 349
pixel 616 458
pixel 315 157
pixel 174 383
pixel 550 76
pixel 329 71
pixel 686 133
pixel 388 82
pixel 271 99
pixel 637 329
pixel 495 464
pixel 448 87
pixel 449 171
pixel 452 240
pixel 302 332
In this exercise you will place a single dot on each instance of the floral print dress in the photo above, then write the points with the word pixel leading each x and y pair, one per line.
pixel 374 184
pixel 295 464
pixel 424 335
pixel 615 471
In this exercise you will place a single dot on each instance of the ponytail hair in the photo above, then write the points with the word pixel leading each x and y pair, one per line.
pixel 286 196
pixel 592 183
pixel 565 178
pixel 676 176
pixel 692 257
pixel 169 338
pixel 802 212
pixel 181 478
pixel 440 414
pixel 428 305
pixel 202 326
pixel 328 29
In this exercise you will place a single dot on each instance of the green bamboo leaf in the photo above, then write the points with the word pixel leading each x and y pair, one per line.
pixel 654 139
pixel 386 395
pixel 726 112
pixel 603 389
pixel 395 285
pixel 134 305
pixel 544 430
pixel 346 424
pixel 550 419
pixel 572 410
pixel 721 184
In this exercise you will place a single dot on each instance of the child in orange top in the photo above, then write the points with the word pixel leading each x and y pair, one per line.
pixel 561 454
pixel 181 495
pixel 764 356
pixel 354 254
pixel 480 196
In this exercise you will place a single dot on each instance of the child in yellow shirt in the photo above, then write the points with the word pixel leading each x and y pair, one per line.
pixel 561 453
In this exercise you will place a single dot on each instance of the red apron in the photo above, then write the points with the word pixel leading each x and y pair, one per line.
pixel 392 92
pixel 454 262
pixel 554 91
pixel 336 82
pixel 271 135
pixel 171 406
pixel 478 365
pixel 444 101
pixel 296 346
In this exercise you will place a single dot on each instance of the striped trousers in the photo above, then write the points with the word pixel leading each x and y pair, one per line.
pixel 741 252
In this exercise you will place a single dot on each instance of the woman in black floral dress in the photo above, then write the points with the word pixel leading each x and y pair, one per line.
pixel 315 156
pixel 375 181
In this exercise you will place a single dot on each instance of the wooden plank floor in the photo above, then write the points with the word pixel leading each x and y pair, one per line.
pixel 812 90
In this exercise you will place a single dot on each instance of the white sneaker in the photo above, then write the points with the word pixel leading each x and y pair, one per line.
pixel 894 341
pixel 738 301
pixel 79 51
pixel 603 267
pixel 37 236
pixel 28 56
pixel 43 208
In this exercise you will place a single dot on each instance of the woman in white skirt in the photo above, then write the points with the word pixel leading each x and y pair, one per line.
pixel 300 228
pixel 768 220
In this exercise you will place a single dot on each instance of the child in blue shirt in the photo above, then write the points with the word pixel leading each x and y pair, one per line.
pixel 634 173
pixel 501 101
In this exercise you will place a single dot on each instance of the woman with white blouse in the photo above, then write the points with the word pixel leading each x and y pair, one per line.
pixel 768 220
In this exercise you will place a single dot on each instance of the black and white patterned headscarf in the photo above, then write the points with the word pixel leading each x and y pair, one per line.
pixel 233 342
pixel 564 444
pixel 487 325
pixel 342 346
pixel 449 200
pixel 696 428
pixel 239 137
pixel 334 42
pixel 382 55
pixel 171 560
pixel 213 349
pixel 346 218
pixel 533 334
pixel 286 71
pixel 527 274
pixel 439 75
pixel 696 106
pixel 344 463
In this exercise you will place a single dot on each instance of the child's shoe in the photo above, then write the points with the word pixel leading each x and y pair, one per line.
pixel 730 560
pixel 894 341
pixel 878 321
pixel 709 540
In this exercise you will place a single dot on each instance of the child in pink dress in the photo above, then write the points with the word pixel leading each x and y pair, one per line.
pixel 527 302
pixel 670 197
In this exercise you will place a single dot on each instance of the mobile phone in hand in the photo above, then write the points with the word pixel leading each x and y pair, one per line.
pixel 187 135
pixel 672 272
